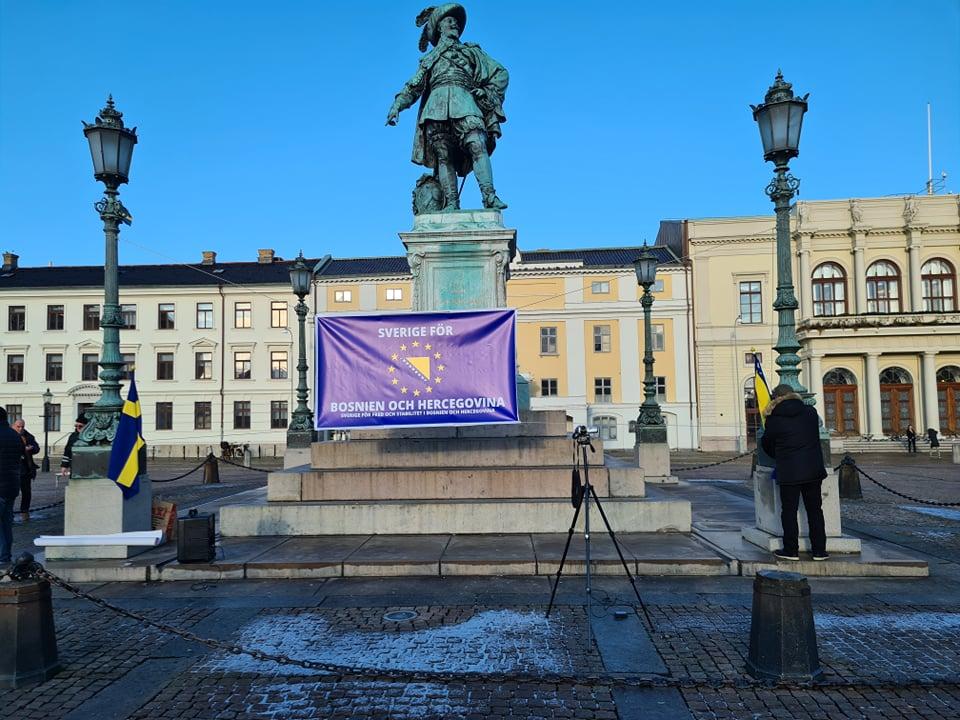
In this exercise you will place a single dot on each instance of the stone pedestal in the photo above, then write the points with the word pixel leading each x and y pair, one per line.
pixel 94 505
pixel 652 455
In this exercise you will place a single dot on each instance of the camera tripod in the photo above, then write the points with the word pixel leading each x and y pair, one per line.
pixel 581 498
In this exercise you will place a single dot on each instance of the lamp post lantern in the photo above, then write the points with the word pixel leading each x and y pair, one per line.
pixel 45 463
pixel 111 148
pixel 300 430
pixel 650 425
pixel 780 118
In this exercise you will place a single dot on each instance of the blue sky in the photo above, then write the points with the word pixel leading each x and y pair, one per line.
pixel 262 123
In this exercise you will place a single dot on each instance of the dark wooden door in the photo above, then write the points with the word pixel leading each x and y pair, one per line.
pixel 896 408
pixel 948 399
pixel 840 409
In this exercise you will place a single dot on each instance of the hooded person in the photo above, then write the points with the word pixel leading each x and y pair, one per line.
pixel 11 461
pixel 791 436
pixel 66 462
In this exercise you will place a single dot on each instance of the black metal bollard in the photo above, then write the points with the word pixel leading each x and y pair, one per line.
pixel 783 639
pixel 849 479
pixel 28 653
pixel 211 470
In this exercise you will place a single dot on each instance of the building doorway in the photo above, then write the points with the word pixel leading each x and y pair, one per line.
pixel 896 401
pixel 948 399
pixel 840 407
pixel 751 413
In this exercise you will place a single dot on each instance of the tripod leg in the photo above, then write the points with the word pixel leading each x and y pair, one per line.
pixel 563 558
pixel 626 569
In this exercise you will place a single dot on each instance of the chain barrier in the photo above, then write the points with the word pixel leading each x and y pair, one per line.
pixel 895 492
pixel 58 503
pixel 713 464
pixel 230 462
pixel 188 472
pixel 28 569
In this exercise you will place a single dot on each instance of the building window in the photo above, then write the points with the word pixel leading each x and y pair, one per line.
pixel 657 286
pixel 548 387
pixel 202 415
pixel 343 296
pixel 394 294
pixel 939 286
pixel 88 366
pixel 166 316
pixel 601 338
pixel 14 413
pixel 53 417
pixel 204 316
pixel 164 416
pixel 164 366
pixel 829 290
pixel 16 318
pixel 278 414
pixel 658 337
pixel 54 317
pixel 91 317
pixel 241 415
pixel 83 407
pixel 883 288
pixel 129 315
pixel 548 341
pixel 278 314
pixel 14 368
pixel 602 390
pixel 607 425
pixel 203 365
pixel 750 303
pixel 54 366
pixel 126 370
pixel 241 365
pixel 661 388
pixel 601 287
pixel 242 315
pixel 278 365
pixel 749 357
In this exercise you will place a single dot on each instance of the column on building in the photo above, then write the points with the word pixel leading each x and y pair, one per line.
pixel 931 409
pixel 859 272
pixel 805 285
pixel 916 288
pixel 815 378
pixel 872 382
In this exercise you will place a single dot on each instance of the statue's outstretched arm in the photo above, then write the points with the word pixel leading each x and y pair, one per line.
pixel 408 95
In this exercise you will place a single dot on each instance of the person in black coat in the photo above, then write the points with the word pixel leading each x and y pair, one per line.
pixel 28 468
pixel 791 436
pixel 66 462
pixel 911 439
pixel 11 454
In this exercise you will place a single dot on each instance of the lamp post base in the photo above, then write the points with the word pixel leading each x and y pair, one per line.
pixel 652 455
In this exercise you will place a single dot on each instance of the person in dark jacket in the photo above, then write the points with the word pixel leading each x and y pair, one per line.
pixel 911 439
pixel 11 454
pixel 28 468
pixel 67 459
pixel 791 436
pixel 934 442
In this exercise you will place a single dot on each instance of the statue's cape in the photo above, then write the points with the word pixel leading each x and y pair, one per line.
pixel 489 75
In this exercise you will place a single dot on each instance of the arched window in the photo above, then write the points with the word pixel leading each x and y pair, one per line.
pixel 895 376
pixel 829 290
pixel 948 399
pixel 883 288
pixel 839 376
pixel 607 424
pixel 939 286
pixel 948 374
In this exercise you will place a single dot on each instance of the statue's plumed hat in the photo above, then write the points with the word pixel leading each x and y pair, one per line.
pixel 429 19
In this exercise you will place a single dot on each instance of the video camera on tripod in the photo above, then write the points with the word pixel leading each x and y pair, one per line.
pixel 582 434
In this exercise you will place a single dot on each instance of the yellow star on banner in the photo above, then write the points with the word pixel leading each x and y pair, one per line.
pixel 415 343
pixel 428 346
pixel 391 369
pixel 416 393
pixel 403 391
pixel 402 348
pixel 394 357
pixel 437 380
pixel 429 389
pixel 394 381
pixel 441 368
pixel 436 355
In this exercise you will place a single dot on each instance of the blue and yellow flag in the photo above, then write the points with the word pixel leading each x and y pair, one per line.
pixel 760 387
pixel 124 468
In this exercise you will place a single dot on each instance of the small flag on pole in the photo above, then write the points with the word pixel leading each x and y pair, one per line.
pixel 760 387
pixel 125 467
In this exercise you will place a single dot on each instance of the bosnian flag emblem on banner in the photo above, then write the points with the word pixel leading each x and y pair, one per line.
pixel 416 369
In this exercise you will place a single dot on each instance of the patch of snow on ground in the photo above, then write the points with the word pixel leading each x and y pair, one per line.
pixel 944 513
pixel 491 641
pixel 889 622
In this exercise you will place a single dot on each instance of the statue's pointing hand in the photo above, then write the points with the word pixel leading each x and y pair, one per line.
pixel 392 116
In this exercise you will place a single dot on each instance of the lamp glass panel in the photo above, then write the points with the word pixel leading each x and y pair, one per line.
pixel 96 151
pixel 300 280
pixel 796 121
pixel 126 153
pixel 111 148
pixel 779 118
pixel 766 131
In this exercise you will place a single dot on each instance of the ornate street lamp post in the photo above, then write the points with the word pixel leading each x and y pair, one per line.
pixel 111 147
pixel 300 430
pixel 45 463
pixel 780 117
pixel 650 425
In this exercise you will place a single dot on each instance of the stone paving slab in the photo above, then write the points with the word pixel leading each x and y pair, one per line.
pixel 397 555
pixel 489 555
pixel 306 557
pixel 230 562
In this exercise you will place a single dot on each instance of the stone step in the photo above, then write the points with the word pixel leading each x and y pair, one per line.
pixel 533 423
pixel 447 452
pixel 541 515
pixel 446 483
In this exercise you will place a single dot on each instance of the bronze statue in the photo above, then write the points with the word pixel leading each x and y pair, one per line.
pixel 461 91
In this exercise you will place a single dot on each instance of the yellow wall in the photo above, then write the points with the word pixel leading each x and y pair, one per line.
pixel 536 293
pixel 590 296
pixel 405 304
pixel 665 362
pixel 667 288
pixel 603 364
pixel 542 366
pixel 354 303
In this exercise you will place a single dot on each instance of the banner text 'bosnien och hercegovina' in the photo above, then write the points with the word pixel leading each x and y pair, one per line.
pixel 415 369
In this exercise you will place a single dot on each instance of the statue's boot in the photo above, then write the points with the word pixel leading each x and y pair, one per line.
pixel 484 172
pixel 447 175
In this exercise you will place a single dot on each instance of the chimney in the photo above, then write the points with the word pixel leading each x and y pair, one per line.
pixel 265 256
pixel 10 261
pixel 209 257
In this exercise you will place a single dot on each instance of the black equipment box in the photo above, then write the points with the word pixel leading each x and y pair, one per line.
pixel 196 539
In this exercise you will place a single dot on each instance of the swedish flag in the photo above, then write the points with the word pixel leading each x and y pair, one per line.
pixel 125 465
pixel 760 387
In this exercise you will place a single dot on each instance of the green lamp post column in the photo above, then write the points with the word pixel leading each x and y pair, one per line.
pixel 650 424
pixel 780 118
pixel 300 430
pixel 111 147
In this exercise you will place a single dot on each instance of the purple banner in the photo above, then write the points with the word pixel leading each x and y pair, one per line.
pixel 416 369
